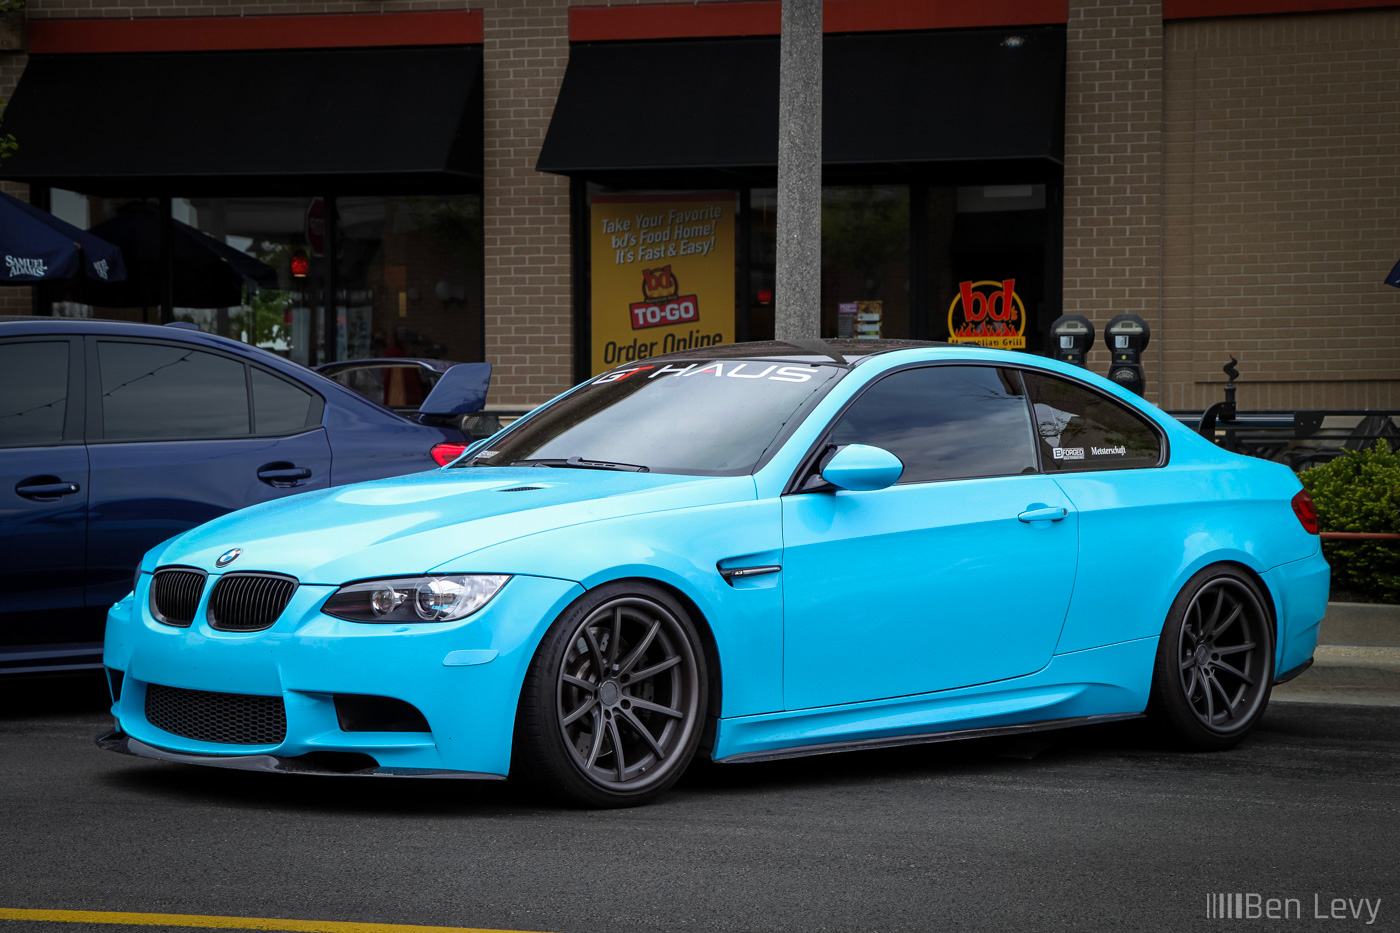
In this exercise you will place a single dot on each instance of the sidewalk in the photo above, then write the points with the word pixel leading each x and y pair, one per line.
pixel 1357 659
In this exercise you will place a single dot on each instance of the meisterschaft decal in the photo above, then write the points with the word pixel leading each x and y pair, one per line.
pixel 1108 451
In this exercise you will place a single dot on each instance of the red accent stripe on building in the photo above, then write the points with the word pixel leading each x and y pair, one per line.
pixel 764 17
pixel 1203 9
pixel 224 33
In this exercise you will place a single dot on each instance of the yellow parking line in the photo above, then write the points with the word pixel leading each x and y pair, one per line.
pixel 227 923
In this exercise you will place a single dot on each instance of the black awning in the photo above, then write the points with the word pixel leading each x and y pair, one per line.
pixel 295 122
pixel 888 98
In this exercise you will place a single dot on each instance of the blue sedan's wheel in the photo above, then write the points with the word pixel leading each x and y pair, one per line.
pixel 614 702
pixel 1215 662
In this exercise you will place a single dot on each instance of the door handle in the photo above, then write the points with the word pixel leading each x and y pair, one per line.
pixel 283 474
pixel 1043 513
pixel 45 491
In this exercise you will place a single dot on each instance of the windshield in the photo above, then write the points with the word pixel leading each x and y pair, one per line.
pixel 706 418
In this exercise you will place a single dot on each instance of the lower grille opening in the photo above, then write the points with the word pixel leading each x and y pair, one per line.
pixel 227 718
pixel 360 713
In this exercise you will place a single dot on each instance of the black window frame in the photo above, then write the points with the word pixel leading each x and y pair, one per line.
pixel 822 449
pixel 96 426
pixel 1163 442
pixel 75 407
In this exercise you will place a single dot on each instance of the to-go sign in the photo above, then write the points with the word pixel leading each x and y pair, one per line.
pixel 683 310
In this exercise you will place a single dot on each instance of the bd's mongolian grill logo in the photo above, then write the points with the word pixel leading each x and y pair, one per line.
pixel 664 304
pixel 989 314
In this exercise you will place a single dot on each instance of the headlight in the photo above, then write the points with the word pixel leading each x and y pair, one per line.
pixel 436 598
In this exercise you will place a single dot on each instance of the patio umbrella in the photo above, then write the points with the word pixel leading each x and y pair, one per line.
pixel 1394 277
pixel 208 273
pixel 38 247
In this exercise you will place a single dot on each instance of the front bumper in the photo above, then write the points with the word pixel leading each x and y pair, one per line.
pixel 464 677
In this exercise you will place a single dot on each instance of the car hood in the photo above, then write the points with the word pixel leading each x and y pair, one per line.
pixel 415 523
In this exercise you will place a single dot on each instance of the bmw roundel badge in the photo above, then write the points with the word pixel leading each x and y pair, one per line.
pixel 228 557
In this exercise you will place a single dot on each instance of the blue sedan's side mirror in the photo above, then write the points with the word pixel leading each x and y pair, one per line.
pixel 862 468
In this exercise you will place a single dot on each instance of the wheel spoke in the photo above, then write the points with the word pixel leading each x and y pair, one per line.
pixel 618 761
pixel 645 733
pixel 637 652
pixel 578 714
pixel 1191 684
pixel 1236 649
pixel 1229 621
pixel 655 669
pixel 1209 627
pixel 1210 700
pixel 580 683
pixel 616 636
pixel 1188 661
pixel 596 652
pixel 1230 668
pixel 655 707
pixel 597 740
pixel 1229 707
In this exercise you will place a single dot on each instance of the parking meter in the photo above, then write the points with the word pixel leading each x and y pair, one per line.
pixel 1127 336
pixel 1071 336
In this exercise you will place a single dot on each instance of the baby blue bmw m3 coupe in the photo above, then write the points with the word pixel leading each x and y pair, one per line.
pixel 742 552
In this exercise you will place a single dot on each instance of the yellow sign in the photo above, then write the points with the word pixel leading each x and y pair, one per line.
pixel 663 274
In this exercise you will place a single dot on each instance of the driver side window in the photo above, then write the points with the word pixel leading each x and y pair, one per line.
pixel 945 422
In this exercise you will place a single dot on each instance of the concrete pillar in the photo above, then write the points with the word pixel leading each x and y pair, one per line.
pixel 798 290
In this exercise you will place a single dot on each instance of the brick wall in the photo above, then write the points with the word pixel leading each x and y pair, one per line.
pixel 1283 209
pixel 1113 158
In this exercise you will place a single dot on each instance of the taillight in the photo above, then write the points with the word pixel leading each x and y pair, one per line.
pixel 446 453
pixel 1305 510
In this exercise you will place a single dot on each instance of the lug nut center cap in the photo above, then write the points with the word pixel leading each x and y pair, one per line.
pixel 609 693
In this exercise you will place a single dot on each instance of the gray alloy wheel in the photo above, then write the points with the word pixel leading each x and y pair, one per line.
pixel 614 704
pixel 1215 663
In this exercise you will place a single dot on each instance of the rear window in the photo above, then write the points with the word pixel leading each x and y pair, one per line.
pixel 708 418
pixel 33 393
pixel 1080 429
pixel 155 391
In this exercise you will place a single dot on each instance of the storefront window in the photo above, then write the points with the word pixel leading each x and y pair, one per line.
pixel 410 277
pixel 865 261
pixel 407 274
pixel 987 265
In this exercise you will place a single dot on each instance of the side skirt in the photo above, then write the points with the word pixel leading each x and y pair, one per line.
pixel 831 748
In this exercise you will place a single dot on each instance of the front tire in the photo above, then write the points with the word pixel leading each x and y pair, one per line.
pixel 1215 661
pixel 615 698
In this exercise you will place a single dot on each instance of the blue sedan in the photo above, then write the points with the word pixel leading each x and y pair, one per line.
pixel 743 553
pixel 115 436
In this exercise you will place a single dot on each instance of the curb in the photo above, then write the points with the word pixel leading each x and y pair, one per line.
pixel 1361 624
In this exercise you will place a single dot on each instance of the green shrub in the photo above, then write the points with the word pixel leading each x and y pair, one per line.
pixel 1360 491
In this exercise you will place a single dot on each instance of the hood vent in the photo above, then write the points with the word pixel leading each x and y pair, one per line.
pixel 520 489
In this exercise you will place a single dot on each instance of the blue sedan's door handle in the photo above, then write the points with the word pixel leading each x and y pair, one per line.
pixel 1037 512
pixel 283 474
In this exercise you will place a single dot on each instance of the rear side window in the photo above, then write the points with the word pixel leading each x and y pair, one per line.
pixel 278 406
pixel 1079 429
pixel 153 391
pixel 944 422
pixel 33 393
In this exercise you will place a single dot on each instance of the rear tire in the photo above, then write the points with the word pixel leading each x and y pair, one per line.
pixel 1215 661
pixel 614 701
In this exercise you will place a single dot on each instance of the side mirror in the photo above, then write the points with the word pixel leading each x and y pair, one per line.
pixel 861 468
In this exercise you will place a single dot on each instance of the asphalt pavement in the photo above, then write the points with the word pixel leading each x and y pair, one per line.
pixel 1097 828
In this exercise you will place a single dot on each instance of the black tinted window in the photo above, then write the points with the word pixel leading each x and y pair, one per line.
pixel 33 393
pixel 156 391
pixel 1080 429
pixel 945 422
pixel 278 406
